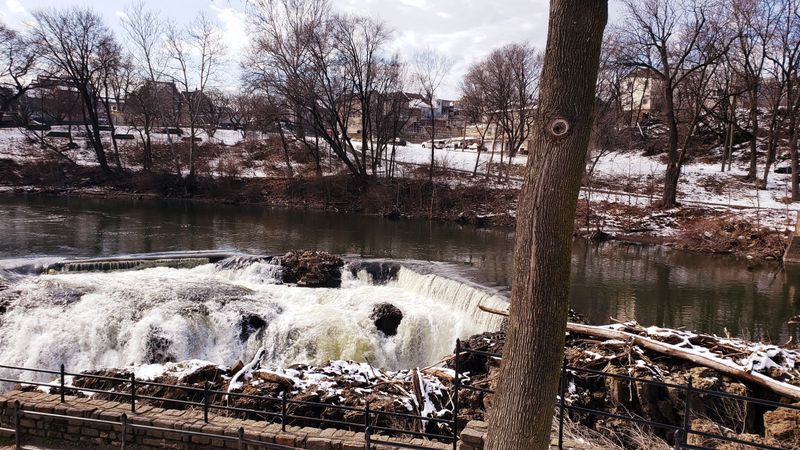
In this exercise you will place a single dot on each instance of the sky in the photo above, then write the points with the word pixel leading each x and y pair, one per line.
pixel 464 30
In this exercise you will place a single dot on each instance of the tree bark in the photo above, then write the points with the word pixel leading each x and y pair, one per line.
pixel 772 149
pixel 669 198
pixel 433 143
pixel 521 416
pixel 753 170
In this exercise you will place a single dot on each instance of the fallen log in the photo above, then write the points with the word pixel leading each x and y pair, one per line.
pixel 723 366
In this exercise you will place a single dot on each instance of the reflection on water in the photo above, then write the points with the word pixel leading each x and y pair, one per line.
pixel 653 285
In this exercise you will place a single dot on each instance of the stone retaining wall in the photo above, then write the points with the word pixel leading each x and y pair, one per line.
pixel 42 429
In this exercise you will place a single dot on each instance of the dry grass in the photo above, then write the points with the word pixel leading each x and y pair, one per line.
pixel 631 436
pixel 725 234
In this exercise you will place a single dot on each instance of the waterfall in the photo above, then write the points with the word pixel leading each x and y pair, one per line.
pixel 134 264
pixel 226 311
pixel 460 295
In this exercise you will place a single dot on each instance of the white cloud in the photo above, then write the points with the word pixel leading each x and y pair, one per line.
pixel 234 25
pixel 464 30
pixel 15 7
pixel 419 4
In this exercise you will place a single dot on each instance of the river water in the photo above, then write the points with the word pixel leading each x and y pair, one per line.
pixel 653 285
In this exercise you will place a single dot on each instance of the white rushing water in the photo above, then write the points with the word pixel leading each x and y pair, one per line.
pixel 225 312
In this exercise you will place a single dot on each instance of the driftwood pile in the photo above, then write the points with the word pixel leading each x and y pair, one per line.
pixel 712 363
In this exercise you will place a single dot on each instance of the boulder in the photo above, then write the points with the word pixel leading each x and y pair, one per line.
pixel 158 347
pixel 476 365
pixel 236 367
pixel 249 325
pixel 286 384
pixel 709 427
pixel 387 318
pixel 211 373
pixel 312 269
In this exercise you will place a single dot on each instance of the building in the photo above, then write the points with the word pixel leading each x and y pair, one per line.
pixel 641 94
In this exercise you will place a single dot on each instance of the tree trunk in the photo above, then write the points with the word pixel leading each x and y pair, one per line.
pixel 433 143
pixel 117 160
pixel 477 159
pixel 287 160
pixel 317 164
pixel 191 154
pixel 772 148
pixel 669 197
pixel 94 131
pixel 752 172
pixel 521 415
pixel 491 156
pixel 365 141
pixel 793 153
pixel 502 158
pixel 148 151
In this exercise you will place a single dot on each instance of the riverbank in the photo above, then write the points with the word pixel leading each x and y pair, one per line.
pixel 457 198
pixel 338 391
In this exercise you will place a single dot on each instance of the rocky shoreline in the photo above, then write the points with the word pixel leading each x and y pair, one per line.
pixel 428 391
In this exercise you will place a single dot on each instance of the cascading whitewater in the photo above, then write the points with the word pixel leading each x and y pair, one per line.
pixel 460 295
pixel 224 312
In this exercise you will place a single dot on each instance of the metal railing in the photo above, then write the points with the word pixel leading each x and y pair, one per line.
pixel 373 432
pixel 682 432
pixel 370 425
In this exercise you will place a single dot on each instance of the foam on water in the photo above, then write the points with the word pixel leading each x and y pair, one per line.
pixel 224 312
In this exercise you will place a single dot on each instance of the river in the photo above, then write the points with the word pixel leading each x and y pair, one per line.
pixel 653 285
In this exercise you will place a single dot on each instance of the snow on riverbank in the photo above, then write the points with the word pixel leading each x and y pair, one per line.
pixel 621 181
pixel 702 185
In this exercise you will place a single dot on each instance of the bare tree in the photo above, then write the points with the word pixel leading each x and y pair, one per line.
pixel 18 62
pixel 513 87
pixel 196 54
pixel 361 41
pixel 114 80
pixel 673 39
pixel 509 81
pixel 145 32
pixel 430 69
pixel 521 417
pixel 73 41
pixel 476 105
pixel 755 23
pixel 243 111
pixel 785 59
pixel 296 60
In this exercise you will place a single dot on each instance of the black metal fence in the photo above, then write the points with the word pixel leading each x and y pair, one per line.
pixel 374 433
pixel 681 432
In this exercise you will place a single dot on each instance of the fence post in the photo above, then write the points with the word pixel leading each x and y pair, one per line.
pixel 366 426
pixel 241 438
pixel 687 411
pixel 455 395
pixel 283 411
pixel 124 437
pixel 17 428
pixel 62 383
pixel 561 388
pixel 205 402
pixel 133 393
